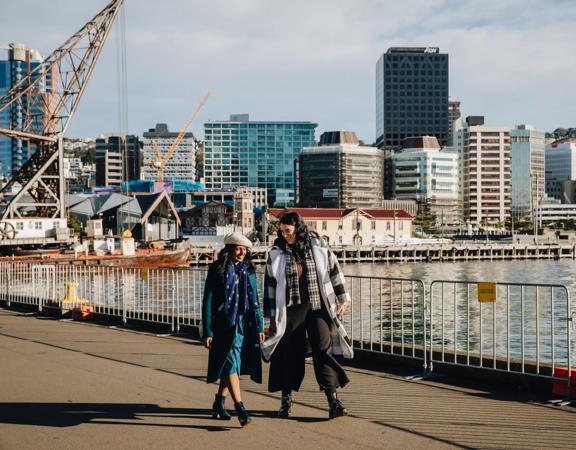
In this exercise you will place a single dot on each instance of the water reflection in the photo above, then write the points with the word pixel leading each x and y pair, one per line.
pixel 525 271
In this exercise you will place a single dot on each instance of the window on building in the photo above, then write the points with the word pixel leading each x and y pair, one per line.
pixel 373 225
pixel 38 225
pixel 388 226
pixel 19 225
pixel 311 224
pixel 340 225
pixel 401 225
pixel 324 225
pixel 358 224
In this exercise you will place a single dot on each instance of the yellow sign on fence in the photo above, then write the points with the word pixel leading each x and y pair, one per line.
pixel 487 292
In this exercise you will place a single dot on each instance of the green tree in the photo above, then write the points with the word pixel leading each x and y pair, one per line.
pixel 273 227
pixel 425 220
pixel 89 156
pixel 75 224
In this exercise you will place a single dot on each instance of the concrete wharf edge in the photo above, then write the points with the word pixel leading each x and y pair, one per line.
pixel 67 384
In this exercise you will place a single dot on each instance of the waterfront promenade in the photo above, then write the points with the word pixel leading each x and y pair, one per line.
pixel 77 385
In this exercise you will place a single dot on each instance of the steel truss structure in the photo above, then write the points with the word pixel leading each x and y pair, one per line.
pixel 40 182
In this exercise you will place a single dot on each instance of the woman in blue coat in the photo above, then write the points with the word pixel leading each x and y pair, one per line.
pixel 232 324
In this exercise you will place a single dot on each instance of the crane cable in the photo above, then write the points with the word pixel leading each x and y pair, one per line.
pixel 122 92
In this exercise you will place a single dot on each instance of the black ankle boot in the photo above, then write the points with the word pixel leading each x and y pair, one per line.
pixel 243 416
pixel 336 407
pixel 218 408
pixel 286 405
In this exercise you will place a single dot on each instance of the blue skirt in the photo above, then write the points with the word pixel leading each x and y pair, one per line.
pixel 232 363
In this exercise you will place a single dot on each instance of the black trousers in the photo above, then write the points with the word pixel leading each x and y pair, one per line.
pixel 287 364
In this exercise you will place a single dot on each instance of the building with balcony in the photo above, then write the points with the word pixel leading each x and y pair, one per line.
pixel 16 62
pixel 156 144
pixel 485 169
pixel 240 152
pixel 340 173
pixel 118 159
pixel 427 174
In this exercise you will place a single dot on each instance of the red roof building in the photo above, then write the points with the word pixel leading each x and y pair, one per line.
pixel 354 226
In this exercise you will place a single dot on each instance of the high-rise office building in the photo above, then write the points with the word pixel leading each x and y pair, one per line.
pixel 182 163
pixel 453 115
pixel 560 163
pixel 340 173
pixel 527 165
pixel 411 95
pixel 240 152
pixel 485 171
pixel 16 62
pixel 118 159
pixel 427 174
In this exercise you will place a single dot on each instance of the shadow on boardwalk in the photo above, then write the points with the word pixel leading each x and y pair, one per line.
pixel 73 414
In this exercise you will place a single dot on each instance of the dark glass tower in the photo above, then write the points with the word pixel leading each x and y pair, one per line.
pixel 118 159
pixel 411 95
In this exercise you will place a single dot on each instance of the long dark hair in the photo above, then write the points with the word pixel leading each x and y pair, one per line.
pixel 302 234
pixel 225 257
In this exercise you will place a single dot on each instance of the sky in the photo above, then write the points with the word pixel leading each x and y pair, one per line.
pixel 513 61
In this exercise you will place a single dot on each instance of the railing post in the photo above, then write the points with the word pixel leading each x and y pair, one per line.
pixel 172 288
pixel 123 294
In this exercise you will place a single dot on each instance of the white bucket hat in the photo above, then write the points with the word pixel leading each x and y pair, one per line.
pixel 237 238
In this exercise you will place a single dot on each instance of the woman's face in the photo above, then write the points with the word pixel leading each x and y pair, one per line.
pixel 289 233
pixel 239 253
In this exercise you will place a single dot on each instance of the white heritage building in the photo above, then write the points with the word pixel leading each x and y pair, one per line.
pixel 354 226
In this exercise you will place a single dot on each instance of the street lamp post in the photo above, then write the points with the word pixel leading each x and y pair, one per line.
pixel 394 226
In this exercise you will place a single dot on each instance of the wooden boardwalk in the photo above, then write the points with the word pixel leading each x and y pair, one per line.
pixel 79 385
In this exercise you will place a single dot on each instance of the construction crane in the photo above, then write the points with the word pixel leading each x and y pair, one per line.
pixel 40 184
pixel 161 159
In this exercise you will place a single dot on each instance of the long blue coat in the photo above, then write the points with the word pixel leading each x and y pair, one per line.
pixel 215 324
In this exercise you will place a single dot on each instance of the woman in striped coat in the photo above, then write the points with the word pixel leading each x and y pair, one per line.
pixel 305 298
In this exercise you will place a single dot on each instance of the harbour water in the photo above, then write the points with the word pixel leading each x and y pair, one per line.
pixel 561 271
pixel 524 322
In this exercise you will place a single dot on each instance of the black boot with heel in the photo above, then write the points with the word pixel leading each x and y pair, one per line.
pixel 243 416
pixel 219 410
pixel 286 405
pixel 337 409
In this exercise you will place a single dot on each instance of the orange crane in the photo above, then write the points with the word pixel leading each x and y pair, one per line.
pixel 161 159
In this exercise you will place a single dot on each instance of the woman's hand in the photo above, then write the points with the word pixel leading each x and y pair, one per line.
pixel 262 336
pixel 207 342
pixel 341 310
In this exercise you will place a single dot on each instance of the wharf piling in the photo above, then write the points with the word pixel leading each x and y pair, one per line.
pixel 423 253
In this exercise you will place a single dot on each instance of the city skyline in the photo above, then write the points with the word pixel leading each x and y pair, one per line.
pixel 508 62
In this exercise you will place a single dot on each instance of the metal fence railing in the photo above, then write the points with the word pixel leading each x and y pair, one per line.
pixel 511 327
pixel 387 315
pixel 524 328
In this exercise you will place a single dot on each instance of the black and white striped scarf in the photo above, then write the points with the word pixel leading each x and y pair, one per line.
pixel 311 279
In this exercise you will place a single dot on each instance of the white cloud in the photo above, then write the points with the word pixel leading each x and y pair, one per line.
pixel 313 60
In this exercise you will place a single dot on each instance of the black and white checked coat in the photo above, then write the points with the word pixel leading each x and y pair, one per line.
pixel 332 290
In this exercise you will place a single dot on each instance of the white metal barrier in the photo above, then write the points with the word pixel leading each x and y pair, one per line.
pixel 387 315
pixel 511 327
pixel 526 329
